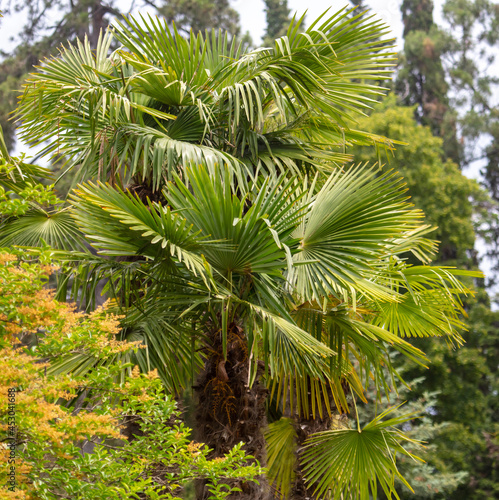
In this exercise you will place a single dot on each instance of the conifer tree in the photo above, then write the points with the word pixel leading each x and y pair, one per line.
pixel 473 32
pixel 421 80
pixel 199 15
pixel 278 17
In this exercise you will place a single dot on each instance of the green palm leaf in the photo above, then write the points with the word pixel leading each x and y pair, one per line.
pixel 158 156
pixel 350 463
pixel 430 304
pixel 352 218
pixel 248 243
pixel 112 219
pixel 281 455
pixel 56 229
pixel 428 314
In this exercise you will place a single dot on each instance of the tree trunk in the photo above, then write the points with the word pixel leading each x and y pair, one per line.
pixel 228 411
pixel 305 427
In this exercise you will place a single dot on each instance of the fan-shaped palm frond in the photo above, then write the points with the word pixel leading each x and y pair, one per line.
pixel 237 246
pixel 342 243
pixel 361 348
pixel 35 216
pixel 56 229
pixel 351 463
pixel 425 314
pixel 252 244
pixel 424 308
pixel 111 220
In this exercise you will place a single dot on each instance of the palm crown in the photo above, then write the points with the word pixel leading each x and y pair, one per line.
pixel 238 249
pixel 161 102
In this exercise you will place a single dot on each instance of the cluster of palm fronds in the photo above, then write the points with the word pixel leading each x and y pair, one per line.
pixel 215 192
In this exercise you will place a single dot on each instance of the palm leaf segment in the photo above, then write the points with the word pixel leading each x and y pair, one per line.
pixel 161 102
pixel 347 463
pixel 351 463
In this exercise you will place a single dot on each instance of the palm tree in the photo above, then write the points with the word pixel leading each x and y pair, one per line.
pixel 242 251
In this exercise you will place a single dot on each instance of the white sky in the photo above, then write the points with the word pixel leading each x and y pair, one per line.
pixel 253 15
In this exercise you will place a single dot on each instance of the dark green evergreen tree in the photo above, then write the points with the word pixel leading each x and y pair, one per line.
pixel 473 32
pixel 278 18
pixel 421 78
pixel 473 40
pixel 417 15
pixel 199 15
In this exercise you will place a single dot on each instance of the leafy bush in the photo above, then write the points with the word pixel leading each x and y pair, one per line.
pixel 64 435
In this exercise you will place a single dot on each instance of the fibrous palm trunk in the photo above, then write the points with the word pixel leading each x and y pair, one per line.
pixel 305 427
pixel 229 411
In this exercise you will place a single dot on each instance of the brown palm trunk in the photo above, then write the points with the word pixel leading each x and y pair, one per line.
pixel 304 428
pixel 228 411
